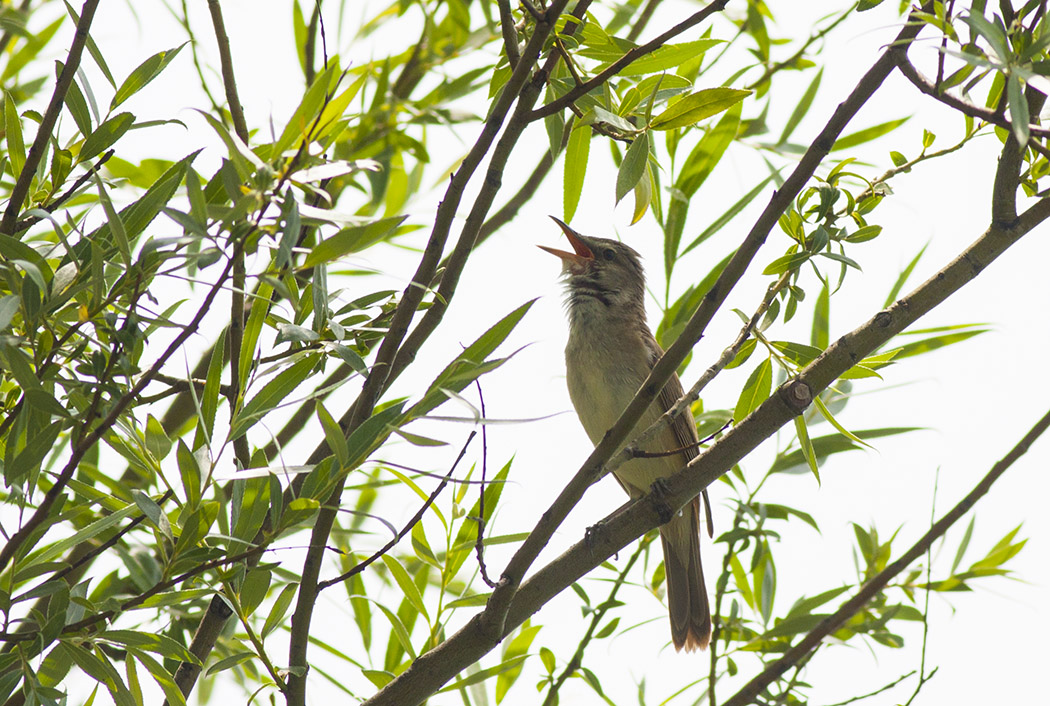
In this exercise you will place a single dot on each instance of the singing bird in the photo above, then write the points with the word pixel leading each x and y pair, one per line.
pixel 609 354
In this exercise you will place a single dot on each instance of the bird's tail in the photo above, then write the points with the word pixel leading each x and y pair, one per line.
pixel 686 594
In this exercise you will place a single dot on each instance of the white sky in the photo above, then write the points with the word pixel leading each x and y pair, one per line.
pixel 975 399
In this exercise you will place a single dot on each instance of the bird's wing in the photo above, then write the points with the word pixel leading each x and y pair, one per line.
pixel 683 426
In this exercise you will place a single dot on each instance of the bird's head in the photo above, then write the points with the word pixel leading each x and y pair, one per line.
pixel 601 270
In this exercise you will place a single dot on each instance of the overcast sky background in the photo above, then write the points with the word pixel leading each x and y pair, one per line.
pixel 975 399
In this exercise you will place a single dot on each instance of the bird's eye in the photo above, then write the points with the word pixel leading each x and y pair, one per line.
pixel 609 254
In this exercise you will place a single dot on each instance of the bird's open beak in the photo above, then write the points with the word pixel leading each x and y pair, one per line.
pixel 573 261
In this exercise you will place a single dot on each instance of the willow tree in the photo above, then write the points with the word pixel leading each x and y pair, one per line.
pixel 181 519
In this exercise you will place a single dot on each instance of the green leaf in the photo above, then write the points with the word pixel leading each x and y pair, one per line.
pixel 961 551
pixel 824 446
pixel 1018 109
pixel 484 674
pixel 138 215
pixel 903 278
pixel 469 364
pixel 208 404
pixel 695 107
pixel 352 239
pixel 150 642
pixel 333 434
pixel 802 108
pixel 172 693
pixel 363 440
pixel 786 263
pixel 669 56
pixel 272 395
pixel 16 147
pixel 632 168
pixel 152 511
pixel 576 156
pixel 995 36
pixel 867 134
pixel 106 135
pixel 730 213
pixel 261 303
pixel 279 608
pixel 806 445
pixel 143 74
pixel 755 391
pixel 407 586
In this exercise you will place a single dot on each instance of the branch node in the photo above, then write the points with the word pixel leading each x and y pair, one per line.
pixel 797 395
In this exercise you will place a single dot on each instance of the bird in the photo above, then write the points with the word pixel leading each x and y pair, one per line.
pixel 610 352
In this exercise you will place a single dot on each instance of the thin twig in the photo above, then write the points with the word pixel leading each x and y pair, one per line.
pixel 479 546
pixel 361 566
pixel 50 117
pixel 40 515
pixel 597 615
pixel 67 194
pixel 629 56
pixel 753 688
pixel 643 20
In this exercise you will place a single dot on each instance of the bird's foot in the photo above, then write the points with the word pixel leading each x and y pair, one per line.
pixel 658 492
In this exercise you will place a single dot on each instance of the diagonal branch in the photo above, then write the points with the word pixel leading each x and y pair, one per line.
pixel 595 465
pixel 582 89
pixel 434 668
pixel 812 640
pixel 47 123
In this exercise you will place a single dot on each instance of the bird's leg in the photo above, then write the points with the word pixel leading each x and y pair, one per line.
pixel 658 492
pixel 595 534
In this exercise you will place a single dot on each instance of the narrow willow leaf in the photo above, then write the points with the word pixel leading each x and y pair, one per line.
pixel 961 551
pixel 632 168
pixel 903 278
pixel 407 586
pixel 469 364
pixel 352 239
pixel 271 395
pixel 807 446
pixel 802 108
pixel 106 135
pixel 279 609
pixel 1018 109
pixel 143 74
pixel 333 434
pixel 16 147
pixel 819 332
pixel 826 413
pixel 867 134
pixel 730 213
pixel 697 106
pixel 755 391
pixel 576 155
pixel 643 195
pixel 668 57
pixel 261 303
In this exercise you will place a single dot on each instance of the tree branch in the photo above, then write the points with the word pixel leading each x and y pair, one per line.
pixel 631 55
pixel 47 122
pixel 753 688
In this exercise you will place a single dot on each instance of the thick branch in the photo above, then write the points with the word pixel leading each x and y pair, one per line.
pixel 438 666
pixel 594 467
pixel 472 642
pixel 402 317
